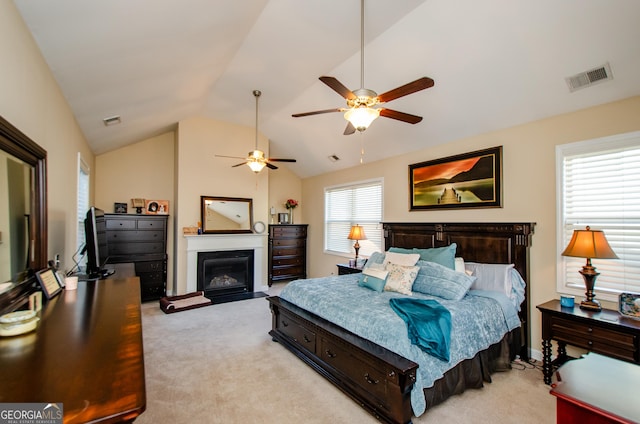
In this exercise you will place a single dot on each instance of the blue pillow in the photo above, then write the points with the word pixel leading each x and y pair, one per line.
pixel 375 258
pixel 438 280
pixel 445 256
pixel 373 279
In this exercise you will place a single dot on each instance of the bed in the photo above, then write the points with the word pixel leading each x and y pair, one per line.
pixel 385 379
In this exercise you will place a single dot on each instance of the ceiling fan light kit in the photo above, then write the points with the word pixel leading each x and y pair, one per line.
pixel 360 111
pixel 255 159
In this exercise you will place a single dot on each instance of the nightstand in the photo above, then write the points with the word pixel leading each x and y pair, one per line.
pixel 605 332
pixel 344 269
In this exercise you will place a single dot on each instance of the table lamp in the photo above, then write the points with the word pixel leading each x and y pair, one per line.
pixel 356 233
pixel 589 244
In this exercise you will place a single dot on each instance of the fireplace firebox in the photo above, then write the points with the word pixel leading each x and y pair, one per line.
pixel 225 273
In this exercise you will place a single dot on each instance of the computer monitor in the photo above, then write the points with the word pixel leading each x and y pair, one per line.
pixel 95 230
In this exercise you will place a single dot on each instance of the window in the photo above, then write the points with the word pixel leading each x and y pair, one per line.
pixel 83 199
pixel 598 186
pixel 357 203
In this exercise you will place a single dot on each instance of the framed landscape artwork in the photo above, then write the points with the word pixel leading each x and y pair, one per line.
pixel 469 180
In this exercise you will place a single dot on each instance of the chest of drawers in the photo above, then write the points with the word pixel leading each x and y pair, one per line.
pixel 141 240
pixel 287 252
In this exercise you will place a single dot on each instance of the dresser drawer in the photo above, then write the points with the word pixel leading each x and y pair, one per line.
pixel 149 266
pixel 289 231
pixel 136 248
pixel 297 332
pixel 288 243
pixel 595 338
pixel 283 261
pixel 288 271
pixel 123 224
pixel 147 224
pixel 134 235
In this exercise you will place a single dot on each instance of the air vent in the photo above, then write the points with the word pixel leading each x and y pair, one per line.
pixel 589 78
pixel 114 120
pixel 334 158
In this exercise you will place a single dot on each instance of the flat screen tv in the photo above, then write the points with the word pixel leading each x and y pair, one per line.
pixel 95 230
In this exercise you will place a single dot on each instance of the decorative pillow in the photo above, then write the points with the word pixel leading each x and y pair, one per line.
pixel 400 278
pixel 438 280
pixel 375 258
pixel 492 277
pixel 405 259
pixel 373 279
pixel 459 265
pixel 440 255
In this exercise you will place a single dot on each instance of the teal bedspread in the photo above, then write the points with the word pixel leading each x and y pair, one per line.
pixel 477 322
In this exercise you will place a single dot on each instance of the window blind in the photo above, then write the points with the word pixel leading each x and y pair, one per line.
pixel 600 188
pixel 83 200
pixel 358 203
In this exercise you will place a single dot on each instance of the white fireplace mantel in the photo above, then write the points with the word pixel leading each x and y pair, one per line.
pixel 218 242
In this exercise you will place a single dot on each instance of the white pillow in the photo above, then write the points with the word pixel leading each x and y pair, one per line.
pixel 459 265
pixel 492 277
pixel 405 259
pixel 401 278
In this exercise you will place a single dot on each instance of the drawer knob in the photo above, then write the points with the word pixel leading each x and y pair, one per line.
pixel 330 354
pixel 306 339
pixel 391 374
pixel 285 324
pixel 369 379
pixel 590 343
pixel 590 330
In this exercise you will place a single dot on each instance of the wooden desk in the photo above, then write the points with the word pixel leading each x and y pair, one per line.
pixel 597 389
pixel 86 354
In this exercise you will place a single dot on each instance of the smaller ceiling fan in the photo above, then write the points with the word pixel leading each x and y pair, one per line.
pixel 361 112
pixel 255 159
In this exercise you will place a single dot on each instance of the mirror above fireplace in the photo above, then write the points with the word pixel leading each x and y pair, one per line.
pixel 226 215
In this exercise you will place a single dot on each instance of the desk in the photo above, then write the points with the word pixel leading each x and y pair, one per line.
pixel 597 389
pixel 86 354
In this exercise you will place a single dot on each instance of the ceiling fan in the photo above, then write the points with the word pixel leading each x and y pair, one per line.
pixel 361 112
pixel 255 159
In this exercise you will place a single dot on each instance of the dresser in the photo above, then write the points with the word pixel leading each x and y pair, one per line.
pixel 141 240
pixel 287 252
pixel 605 332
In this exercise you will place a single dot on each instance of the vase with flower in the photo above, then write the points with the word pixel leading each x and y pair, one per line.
pixel 291 204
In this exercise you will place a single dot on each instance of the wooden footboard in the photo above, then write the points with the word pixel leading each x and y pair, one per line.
pixel 378 379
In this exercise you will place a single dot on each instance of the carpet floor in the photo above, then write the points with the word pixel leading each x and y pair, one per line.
pixel 217 364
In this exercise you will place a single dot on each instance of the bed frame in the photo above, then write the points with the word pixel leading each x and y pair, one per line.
pixel 378 379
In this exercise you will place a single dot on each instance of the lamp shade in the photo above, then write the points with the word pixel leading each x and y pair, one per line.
pixel 589 244
pixel 361 117
pixel 357 233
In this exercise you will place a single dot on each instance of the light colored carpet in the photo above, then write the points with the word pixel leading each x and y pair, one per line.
pixel 217 364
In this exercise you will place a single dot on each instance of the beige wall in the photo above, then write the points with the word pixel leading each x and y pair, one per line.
pixel 141 170
pixel 32 101
pixel 528 179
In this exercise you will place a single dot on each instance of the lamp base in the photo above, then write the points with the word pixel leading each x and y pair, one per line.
pixel 591 305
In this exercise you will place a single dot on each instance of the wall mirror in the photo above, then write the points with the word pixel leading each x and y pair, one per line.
pixel 23 217
pixel 226 215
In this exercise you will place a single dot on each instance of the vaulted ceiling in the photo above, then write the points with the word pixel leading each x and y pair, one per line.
pixel 496 64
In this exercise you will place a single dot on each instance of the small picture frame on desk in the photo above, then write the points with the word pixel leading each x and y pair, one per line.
pixel 49 283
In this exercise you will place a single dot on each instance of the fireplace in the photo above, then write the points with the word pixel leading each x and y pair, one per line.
pixel 225 272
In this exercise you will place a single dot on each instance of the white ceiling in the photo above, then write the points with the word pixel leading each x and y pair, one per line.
pixel 496 64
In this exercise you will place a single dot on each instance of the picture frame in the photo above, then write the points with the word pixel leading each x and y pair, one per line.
pixel 156 207
pixel 49 282
pixel 120 207
pixel 469 180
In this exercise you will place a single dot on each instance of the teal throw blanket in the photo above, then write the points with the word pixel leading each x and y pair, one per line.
pixel 428 324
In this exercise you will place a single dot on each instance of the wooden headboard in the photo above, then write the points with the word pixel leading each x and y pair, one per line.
pixel 497 243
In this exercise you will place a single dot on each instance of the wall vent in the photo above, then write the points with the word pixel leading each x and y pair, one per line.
pixel 334 158
pixel 589 78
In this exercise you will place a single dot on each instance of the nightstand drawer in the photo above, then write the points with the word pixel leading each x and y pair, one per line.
pixel 595 338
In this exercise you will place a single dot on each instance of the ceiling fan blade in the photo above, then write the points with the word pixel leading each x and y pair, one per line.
pixel 280 160
pixel 240 164
pixel 412 87
pixel 317 112
pixel 400 116
pixel 350 129
pixel 271 166
pixel 338 87
pixel 233 157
